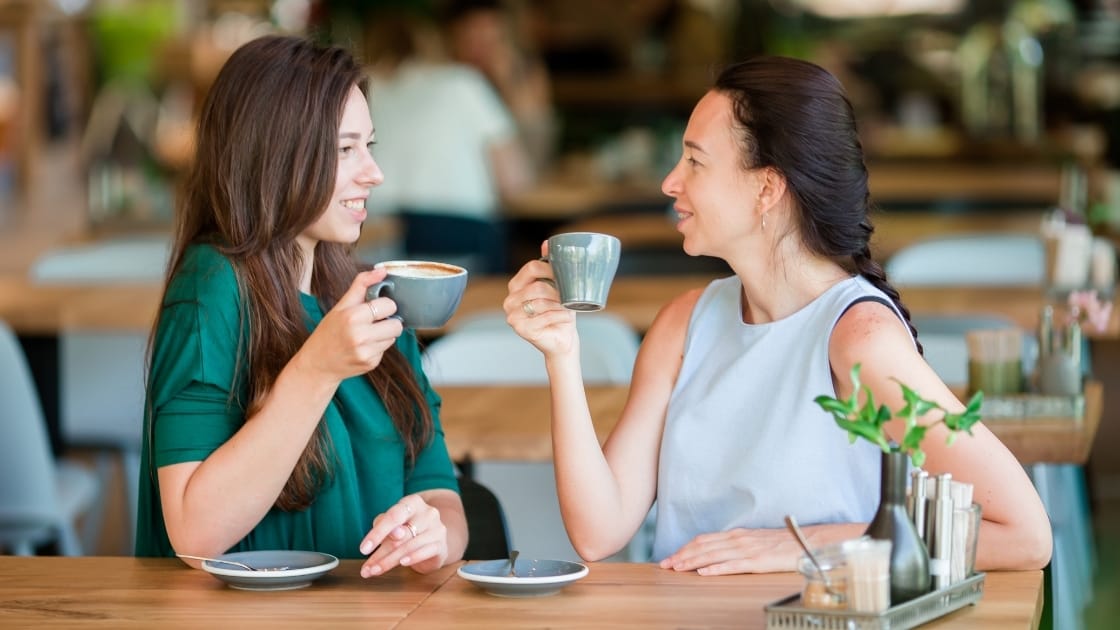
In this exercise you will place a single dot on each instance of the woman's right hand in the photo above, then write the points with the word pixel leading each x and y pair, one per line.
pixel 534 311
pixel 356 333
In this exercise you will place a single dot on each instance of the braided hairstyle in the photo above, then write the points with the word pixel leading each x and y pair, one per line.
pixel 794 116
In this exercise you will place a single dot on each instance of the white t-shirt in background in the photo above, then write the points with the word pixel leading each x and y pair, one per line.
pixel 434 125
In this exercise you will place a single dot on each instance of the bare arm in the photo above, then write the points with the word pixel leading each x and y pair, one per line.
pixel 1015 533
pixel 514 172
pixel 605 491
pixel 208 506
pixel 603 505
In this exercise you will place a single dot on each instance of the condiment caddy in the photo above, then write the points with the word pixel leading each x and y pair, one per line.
pixel 946 522
pixel 787 613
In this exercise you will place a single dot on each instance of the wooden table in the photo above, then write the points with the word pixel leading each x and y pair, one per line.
pixel 512 422
pixel 31 308
pixel 120 592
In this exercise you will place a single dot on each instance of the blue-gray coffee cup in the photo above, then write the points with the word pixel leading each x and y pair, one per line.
pixel 584 264
pixel 427 293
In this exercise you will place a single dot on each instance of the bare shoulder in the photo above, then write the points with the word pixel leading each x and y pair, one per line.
pixel 663 346
pixel 676 313
pixel 869 329
pixel 872 335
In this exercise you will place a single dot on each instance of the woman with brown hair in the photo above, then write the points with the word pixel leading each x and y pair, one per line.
pixel 284 410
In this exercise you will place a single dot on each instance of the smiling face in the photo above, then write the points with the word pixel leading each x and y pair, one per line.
pixel 355 175
pixel 717 200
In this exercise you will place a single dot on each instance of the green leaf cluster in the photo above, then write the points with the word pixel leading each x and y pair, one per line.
pixel 868 420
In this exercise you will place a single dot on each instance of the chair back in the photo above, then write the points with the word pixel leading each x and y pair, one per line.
pixel 484 349
pixel 488 533
pixel 29 502
pixel 102 388
pixel 974 259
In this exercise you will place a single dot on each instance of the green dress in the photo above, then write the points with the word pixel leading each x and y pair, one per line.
pixel 189 401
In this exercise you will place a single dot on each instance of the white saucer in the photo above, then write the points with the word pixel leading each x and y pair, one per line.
pixel 532 578
pixel 303 568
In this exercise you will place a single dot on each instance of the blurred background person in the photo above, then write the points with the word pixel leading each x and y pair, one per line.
pixel 492 36
pixel 447 143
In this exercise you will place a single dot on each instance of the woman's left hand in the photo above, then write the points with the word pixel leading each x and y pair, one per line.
pixel 736 551
pixel 409 534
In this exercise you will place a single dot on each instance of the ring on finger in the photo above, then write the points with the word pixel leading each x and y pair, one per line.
pixel 527 306
pixel 411 529
pixel 373 310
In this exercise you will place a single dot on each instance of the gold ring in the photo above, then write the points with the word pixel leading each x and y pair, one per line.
pixel 411 529
pixel 373 310
pixel 527 306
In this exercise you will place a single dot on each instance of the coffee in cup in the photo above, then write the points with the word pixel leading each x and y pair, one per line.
pixel 583 264
pixel 426 292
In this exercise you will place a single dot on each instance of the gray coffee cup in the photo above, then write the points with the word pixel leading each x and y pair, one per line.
pixel 583 264
pixel 427 293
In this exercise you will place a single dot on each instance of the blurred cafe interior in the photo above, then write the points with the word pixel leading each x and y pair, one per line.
pixel 992 135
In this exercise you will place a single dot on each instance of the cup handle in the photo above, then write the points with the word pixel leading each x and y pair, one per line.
pixel 375 291
pixel 549 281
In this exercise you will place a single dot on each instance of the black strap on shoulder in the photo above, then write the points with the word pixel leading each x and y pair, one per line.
pixel 868 298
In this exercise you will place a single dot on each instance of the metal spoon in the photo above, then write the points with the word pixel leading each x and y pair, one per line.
pixel 236 564
pixel 512 561
pixel 791 524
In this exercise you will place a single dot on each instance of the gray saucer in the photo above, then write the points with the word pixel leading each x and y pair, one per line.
pixel 533 578
pixel 303 568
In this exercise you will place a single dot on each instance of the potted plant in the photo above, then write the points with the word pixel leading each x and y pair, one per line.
pixel 909 566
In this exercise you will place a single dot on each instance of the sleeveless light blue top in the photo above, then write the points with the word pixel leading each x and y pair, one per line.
pixel 744 443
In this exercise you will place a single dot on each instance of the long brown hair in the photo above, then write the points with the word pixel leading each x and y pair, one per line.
pixel 264 170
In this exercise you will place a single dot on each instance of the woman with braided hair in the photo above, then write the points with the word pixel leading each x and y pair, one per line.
pixel 721 429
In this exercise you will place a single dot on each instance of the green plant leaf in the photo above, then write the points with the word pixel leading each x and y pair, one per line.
pixel 912 441
pixel 868 421
pixel 884 416
pixel 864 430
pixel 915 406
pixel 838 408
pixel 917 458
pixel 971 415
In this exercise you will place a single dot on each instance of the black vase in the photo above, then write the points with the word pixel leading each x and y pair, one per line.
pixel 909 558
